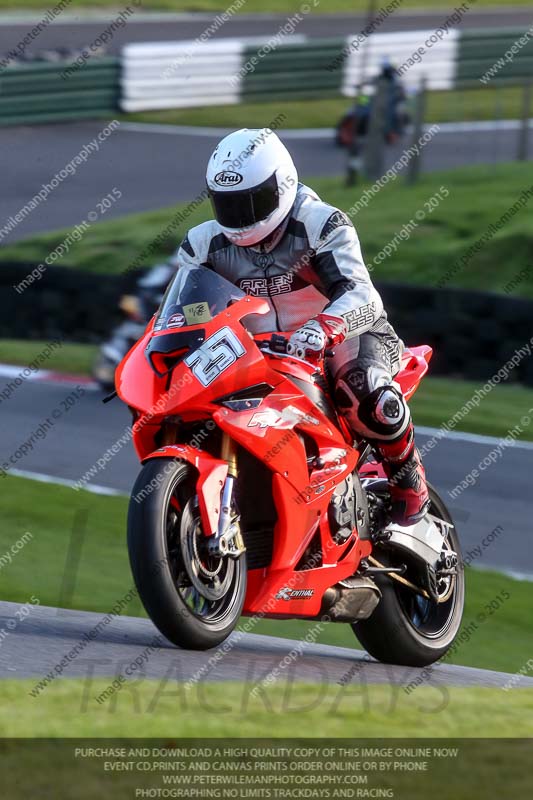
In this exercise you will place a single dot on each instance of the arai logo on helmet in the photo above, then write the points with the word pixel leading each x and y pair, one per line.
pixel 228 178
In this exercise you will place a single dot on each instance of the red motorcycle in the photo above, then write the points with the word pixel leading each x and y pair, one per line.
pixel 253 499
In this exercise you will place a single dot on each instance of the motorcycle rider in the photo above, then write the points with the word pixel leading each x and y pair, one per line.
pixel 396 118
pixel 275 238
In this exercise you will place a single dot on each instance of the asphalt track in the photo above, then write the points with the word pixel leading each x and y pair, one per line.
pixel 51 633
pixel 77 32
pixel 157 166
pixel 81 436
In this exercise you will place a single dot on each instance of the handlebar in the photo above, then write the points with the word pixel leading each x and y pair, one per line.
pixel 277 344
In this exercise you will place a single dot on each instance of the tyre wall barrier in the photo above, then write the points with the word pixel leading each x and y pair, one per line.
pixel 36 92
pixel 473 333
pixel 65 303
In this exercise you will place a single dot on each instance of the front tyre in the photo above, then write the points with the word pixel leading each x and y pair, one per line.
pixel 407 628
pixel 194 598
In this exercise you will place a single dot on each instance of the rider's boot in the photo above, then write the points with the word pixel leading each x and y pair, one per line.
pixel 407 478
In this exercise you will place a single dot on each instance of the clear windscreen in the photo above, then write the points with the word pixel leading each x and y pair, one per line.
pixel 195 296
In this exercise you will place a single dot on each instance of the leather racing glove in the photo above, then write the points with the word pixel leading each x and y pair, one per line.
pixel 310 341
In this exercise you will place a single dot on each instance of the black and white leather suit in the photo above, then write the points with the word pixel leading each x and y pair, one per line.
pixel 313 263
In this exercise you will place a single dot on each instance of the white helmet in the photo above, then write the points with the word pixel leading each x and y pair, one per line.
pixel 252 183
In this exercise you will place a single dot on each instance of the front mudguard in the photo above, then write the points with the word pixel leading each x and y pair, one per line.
pixel 212 473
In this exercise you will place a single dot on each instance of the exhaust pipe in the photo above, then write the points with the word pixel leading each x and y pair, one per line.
pixel 350 600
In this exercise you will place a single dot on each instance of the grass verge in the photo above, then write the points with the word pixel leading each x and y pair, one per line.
pixel 438 399
pixel 478 197
pixel 458 105
pixel 74 358
pixel 68 709
pixel 250 7
pixel 63 522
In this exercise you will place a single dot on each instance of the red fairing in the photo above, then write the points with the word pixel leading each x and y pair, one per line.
pixel 287 427
pixel 415 363
pixel 212 473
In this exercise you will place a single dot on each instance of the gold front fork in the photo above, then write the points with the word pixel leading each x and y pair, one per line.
pixel 229 453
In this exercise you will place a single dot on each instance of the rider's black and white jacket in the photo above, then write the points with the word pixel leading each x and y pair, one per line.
pixel 316 265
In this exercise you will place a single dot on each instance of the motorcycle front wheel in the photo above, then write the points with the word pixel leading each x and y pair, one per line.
pixel 407 628
pixel 194 599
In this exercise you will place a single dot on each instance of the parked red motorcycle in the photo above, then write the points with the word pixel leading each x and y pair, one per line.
pixel 253 499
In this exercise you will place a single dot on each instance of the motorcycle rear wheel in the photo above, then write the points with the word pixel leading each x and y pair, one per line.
pixel 407 628
pixel 194 599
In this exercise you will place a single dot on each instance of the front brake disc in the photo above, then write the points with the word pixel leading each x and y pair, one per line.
pixel 210 575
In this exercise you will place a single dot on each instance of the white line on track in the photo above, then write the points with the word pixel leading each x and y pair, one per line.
pixel 47 376
pixel 41 477
pixel 507 571
pixel 474 438
pixel 313 133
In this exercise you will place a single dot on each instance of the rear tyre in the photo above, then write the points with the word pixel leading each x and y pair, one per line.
pixel 406 628
pixel 193 598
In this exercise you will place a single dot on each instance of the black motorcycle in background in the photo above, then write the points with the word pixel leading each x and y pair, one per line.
pixel 138 308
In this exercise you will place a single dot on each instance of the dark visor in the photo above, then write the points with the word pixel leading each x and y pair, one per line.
pixel 246 207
